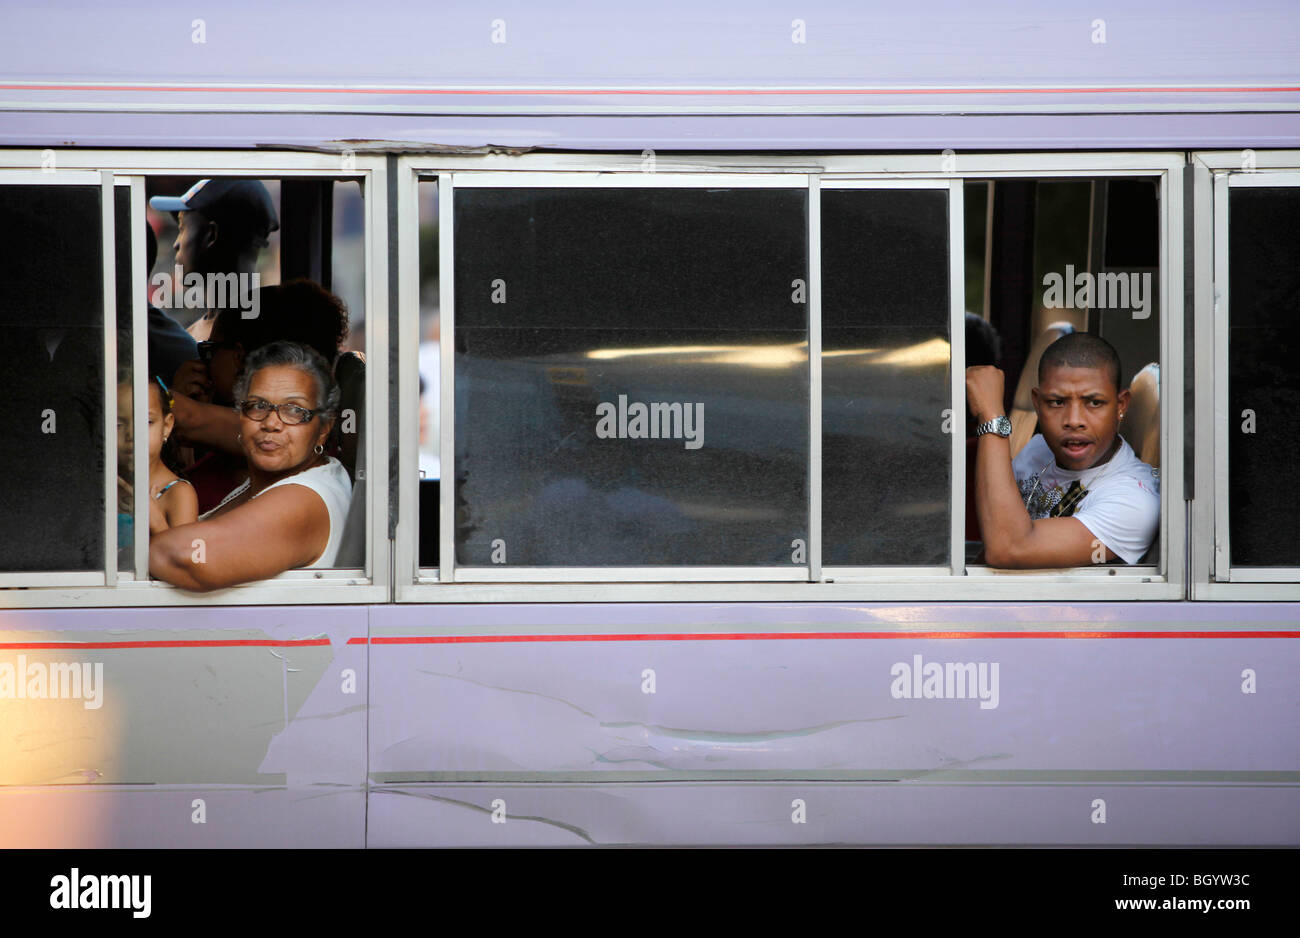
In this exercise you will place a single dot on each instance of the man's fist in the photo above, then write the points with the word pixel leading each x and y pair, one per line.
pixel 984 389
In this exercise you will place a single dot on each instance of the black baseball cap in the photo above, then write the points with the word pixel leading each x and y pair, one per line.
pixel 246 199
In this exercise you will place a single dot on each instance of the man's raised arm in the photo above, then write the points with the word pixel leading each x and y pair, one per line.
pixel 1011 539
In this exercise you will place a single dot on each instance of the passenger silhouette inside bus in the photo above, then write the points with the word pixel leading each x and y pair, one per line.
pixel 170 346
pixel 223 226
pixel 290 511
pixel 1077 494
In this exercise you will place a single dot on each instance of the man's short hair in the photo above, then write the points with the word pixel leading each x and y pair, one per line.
pixel 1081 350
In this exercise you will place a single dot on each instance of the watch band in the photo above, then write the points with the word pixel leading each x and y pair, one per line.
pixel 1000 425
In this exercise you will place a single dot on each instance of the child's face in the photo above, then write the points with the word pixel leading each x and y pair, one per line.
pixel 125 446
pixel 160 427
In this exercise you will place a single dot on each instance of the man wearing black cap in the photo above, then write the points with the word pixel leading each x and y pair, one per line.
pixel 223 226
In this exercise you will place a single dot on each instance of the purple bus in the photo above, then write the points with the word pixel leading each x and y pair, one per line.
pixel 661 526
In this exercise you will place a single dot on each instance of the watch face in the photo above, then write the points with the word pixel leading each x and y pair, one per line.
pixel 999 425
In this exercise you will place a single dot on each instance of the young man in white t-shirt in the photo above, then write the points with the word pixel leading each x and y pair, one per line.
pixel 1077 493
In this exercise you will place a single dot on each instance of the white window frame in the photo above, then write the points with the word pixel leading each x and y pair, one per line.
pixel 1216 173
pixel 295 587
pixel 857 584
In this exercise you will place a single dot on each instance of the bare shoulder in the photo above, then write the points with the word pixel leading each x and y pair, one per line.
pixel 180 503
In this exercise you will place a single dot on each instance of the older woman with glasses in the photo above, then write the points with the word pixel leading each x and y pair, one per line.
pixel 297 311
pixel 290 511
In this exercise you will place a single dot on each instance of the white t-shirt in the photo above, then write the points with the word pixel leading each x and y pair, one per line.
pixel 330 481
pixel 1118 501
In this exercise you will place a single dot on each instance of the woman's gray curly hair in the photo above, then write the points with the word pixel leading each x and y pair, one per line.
pixel 302 357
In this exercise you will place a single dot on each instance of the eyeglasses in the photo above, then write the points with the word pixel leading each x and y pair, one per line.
pixel 208 349
pixel 291 414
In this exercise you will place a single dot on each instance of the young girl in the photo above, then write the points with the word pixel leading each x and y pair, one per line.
pixel 173 501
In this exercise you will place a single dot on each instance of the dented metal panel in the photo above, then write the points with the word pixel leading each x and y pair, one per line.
pixel 819 813
pixel 744 694
pixel 210 704
pixel 653 724
pixel 703 724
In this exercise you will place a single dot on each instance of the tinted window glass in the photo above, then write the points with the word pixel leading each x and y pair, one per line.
pixel 631 376
pixel 885 379
pixel 1263 375
pixel 52 421
pixel 1132 223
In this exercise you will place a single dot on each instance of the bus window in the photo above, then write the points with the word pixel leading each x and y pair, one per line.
pixel 631 376
pixel 1075 256
pixel 886 462
pixel 293 240
pixel 1263 375
pixel 53 381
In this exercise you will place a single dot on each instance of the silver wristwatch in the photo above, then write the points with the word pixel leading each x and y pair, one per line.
pixel 999 425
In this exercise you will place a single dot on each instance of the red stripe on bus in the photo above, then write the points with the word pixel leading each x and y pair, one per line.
pixel 636 637
pixel 782 636
pixel 694 92
pixel 180 643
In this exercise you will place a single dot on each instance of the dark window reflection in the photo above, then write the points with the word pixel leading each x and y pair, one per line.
pixel 609 299
pixel 1263 375
pixel 52 385
pixel 885 380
